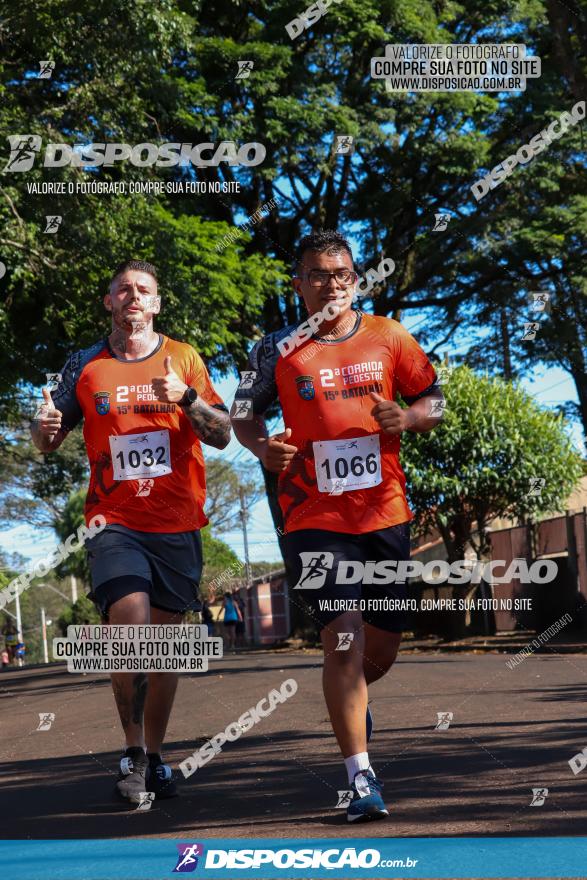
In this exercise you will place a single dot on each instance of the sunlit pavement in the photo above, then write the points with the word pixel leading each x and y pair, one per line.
pixel 512 730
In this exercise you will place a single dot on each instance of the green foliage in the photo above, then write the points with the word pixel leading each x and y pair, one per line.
pixel 479 463
pixel 70 520
pixel 224 483
pixel 220 564
pixel 416 154
pixel 217 553
pixel 35 488
pixel 81 612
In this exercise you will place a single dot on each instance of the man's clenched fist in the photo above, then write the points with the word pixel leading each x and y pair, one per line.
pixel 277 453
pixel 389 415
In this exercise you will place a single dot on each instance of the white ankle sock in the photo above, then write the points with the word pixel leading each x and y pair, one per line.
pixel 355 763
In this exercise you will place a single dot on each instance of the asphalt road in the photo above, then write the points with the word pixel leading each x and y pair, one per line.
pixel 512 730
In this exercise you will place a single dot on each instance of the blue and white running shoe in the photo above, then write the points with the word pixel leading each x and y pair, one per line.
pixel 367 804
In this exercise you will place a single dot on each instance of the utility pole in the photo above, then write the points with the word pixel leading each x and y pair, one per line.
pixel 73 588
pixel 243 516
pixel 19 638
pixel 250 591
pixel 44 634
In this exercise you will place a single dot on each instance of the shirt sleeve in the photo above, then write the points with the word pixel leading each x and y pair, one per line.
pixel 197 377
pixel 258 380
pixel 65 397
pixel 414 375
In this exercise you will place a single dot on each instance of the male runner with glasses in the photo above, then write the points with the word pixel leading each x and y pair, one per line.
pixel 146 402
pixel 341 487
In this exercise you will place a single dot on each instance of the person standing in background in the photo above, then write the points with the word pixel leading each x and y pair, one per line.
pixel 230 620
pixel 240 630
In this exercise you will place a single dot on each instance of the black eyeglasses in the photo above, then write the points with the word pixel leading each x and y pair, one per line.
pixel 343 277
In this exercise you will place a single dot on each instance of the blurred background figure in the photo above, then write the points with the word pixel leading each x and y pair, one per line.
pixel 240 632
pixel 230 620
pixel 208 617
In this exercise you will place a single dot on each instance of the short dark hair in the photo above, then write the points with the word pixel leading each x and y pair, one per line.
pixel 327 241
pixel 134 266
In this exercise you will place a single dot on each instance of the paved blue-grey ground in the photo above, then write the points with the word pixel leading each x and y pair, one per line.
pixel 512 730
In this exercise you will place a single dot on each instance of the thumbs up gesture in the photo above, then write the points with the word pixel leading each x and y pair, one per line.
pixel 389 415
pixel 277 453
pixel 48 418
pixel 168 388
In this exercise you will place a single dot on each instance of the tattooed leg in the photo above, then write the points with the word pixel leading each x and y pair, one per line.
pixel 161 693
pixel 130 689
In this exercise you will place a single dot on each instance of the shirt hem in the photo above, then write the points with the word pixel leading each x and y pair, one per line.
pixel 343 527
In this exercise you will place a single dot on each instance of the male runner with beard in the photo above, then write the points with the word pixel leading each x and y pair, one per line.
pixel 341 487
pixel 146 402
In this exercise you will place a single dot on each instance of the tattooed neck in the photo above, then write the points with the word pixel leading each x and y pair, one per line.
pixel 133 340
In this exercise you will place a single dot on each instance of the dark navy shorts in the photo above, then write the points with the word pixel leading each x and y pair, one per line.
pixel 167 565
pixel 314 556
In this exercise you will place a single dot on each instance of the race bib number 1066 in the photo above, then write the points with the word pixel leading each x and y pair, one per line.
pixel 347 465
pixel 136 456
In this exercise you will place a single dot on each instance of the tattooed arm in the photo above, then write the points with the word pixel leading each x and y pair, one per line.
pixel 209 424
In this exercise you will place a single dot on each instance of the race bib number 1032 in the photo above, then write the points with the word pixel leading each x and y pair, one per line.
pixel 136 456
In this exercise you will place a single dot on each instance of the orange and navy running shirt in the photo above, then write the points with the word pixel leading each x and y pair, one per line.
pixel 146 464
pixel 346 476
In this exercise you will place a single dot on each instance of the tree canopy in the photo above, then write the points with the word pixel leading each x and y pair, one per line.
pixel 161 71
pixel 415 154
pixel 482 462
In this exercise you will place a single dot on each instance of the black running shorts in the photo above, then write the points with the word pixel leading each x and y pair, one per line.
pixel 314 556
pixel 170 562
